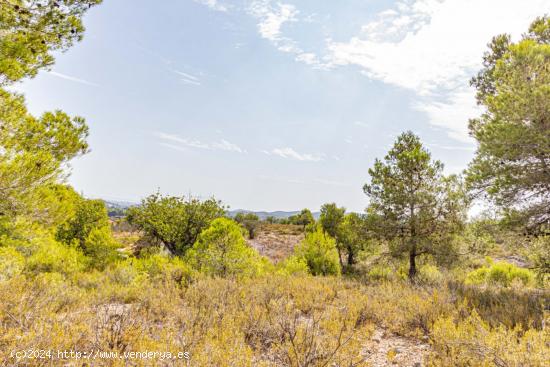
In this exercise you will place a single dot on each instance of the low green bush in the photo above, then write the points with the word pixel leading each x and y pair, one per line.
pixel 12 263
pixel 221 250
pixel 319 251
pixel 502 274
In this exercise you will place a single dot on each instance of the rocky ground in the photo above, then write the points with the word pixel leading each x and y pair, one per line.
pixel 385 349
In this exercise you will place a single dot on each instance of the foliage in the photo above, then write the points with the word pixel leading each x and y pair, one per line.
pixel 511 306
pixel 49 256
pixel 513 156
pixel 101 247
pixel 249 221
pixel 319 251
pixel 330 219
pixel 304 218
pixel 501 273
pixel 472 342
pixel 540 254
pixel 12 262
pixel 353 236
pixel 293 265
pixel 174 221
pixel 221 250
pixel 416 207
pixel 163 267
pixel 31 31
pixel 34 151
pixel 89 215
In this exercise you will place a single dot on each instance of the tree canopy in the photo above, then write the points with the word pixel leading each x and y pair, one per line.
pixel 31 30
pixel 417 206
pixel 175 221
pixel 512 163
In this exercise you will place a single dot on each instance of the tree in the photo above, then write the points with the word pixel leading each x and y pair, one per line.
pixel 353 236
pixel 512 162
pixel 249 221
pixel 90 215
pixel 330 220
pixel 319 251
pixel 417 207
pixel 305 218
pixel 221 250
pixel 174 221
pixel 34 150
pixel 31 30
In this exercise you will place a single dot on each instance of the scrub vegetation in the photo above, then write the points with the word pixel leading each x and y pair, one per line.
pixel 178 274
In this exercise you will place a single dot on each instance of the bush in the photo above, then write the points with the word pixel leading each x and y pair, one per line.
pixel 380 273
pixel 320 253
pixel 11 263
pixel 293 265
pixel 89 215
pixel 51 256
pixel 101 247
pixel 507 306
pixel 430 275
pixel 160 266
pixel 472 342
pixel 221 250
pixel 502 274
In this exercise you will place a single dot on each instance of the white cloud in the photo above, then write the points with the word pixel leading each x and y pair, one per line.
pixel 290 153
pixel 361 123
pixel 452 114
pixel 183 143
pixel 433 47
pixel 227 146
pixel 214 5
pixel 271 19
pixel 187 78
pixel 72 79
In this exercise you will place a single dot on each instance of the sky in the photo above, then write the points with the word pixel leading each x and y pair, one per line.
pixel 269 105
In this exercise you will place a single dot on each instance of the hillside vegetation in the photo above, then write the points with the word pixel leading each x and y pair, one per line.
pixel 411 282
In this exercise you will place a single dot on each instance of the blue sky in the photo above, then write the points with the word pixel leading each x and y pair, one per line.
pixel 269 105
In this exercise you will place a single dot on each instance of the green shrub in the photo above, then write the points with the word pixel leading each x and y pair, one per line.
pixel 160 266
pixel 89 215
pixel 508 306
pixel 51 256
pixel 293 265
pixel 101 247
pixel 380 273
pixel 472 342
pixel 221 250
pixel 11 263
pixel 502 274
pixel 320 253
pixel 430 275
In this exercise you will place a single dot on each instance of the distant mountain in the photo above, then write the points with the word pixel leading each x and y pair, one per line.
pixel 117 208
pixel 279 214
pixel 119 204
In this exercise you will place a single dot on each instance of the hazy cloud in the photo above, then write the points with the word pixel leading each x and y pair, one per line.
pixel 183 143
pixel 72 79
pixel 289 153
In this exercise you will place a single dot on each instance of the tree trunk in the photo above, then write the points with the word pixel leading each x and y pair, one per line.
pixel 412 263
pixel 340 256
pixel 351 257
